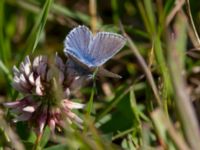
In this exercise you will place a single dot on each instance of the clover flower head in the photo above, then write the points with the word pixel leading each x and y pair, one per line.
pixel 40 105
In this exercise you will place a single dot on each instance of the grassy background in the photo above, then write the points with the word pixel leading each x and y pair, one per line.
pixel 156 103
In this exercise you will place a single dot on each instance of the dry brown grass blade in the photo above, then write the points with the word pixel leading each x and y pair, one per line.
pixel 93 13
pixel 158 116
pixel 143 65
pixel 172 14
pixel 176 52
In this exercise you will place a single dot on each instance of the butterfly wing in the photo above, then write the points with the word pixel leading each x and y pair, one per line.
pixel 76 44
pixel 104 46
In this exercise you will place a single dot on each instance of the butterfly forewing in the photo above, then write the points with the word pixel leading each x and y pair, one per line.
pixel 77 42
pixel 104 46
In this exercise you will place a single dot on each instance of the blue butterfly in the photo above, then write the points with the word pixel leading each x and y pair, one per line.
pixel 93 51
pixel 87 51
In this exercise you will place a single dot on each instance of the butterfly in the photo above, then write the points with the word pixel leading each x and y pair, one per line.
pixel 87 51
pixel 92 51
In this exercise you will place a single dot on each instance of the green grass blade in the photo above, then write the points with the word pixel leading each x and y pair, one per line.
pixel 5 70
pixel 56 10
pixel 144 16
pixel 150 14
pixel 35 34
pixel 90 103
pixel 2 47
